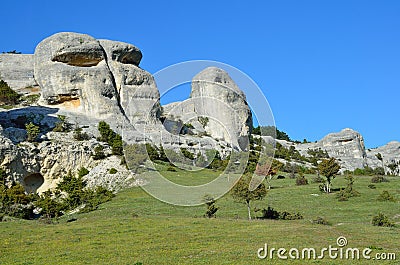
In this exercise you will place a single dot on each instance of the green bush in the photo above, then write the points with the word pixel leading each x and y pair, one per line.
pixel 32 131
pixel 113 139
pixel 386 196
pixel 62 125
pixel 83 172
pixel 98 153
pixel 301 180
pixel 349 191
pixel 79 135
pixel 112 171
pixel 13 199
pixel 171 168
pixel 186 153
pixel 50 203
pixel 320 221
pixel 203 121
pixel 379 179
pixel 270 213
pixel 211 208
pixel 382 220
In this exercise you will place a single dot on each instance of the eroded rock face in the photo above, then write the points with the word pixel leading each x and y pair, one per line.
pixel 72 71
pixel 347 146
pixel 17 71
pixel 138 93
pixel 216 96
pixel 390 154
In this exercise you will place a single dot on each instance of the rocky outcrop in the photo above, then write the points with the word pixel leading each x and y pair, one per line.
pixel 216 106
pixel 39 167
pixel 216 96
pixel 390 154
pixel 347 146
pixel 17 71
pixel 72 71
pixel 138 93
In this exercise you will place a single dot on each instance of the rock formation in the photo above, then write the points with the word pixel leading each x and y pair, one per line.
pixel 89 80
pixel 216 106
pixel 347 146
pixel 72 71
pixel 17 71
pixel 138 93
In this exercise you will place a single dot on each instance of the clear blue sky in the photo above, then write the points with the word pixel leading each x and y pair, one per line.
pixel 323 65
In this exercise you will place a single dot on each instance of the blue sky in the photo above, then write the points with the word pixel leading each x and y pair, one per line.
pixel 322 65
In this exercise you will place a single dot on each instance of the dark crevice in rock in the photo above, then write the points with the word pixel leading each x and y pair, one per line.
pixel 79 59
pixel 114 84
pixel 61 98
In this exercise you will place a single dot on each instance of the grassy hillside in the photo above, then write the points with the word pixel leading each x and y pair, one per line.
pixel 136 228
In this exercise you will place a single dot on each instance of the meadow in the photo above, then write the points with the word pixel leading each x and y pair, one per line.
pixel 135 228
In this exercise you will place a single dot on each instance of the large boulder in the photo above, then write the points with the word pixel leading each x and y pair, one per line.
pixel 72 71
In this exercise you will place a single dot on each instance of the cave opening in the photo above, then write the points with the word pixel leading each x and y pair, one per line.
pixel 33 182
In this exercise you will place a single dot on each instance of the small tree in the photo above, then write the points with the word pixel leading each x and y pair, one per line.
pixel 328 168
pixel 33 131
pixel 242 193
pixel 211 208
pixel 80 135
pixel 99 153
pixel 7 95
pixel 62 125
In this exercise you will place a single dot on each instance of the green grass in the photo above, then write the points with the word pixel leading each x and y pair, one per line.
pixel 134 227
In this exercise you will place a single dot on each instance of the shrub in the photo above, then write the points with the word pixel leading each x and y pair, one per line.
pixel 318 179
pixel 379 179
pixel 32 131
pixel 152 152
pixel 79 135
pixel 301 180
pixel 83 172
pixel 211 208
pixel 186 153
pixel 320 221
pixel 349 191
pixel 290 216
pixel 382 220
pixel 113 139
pixel 270 213
pixel 386 196
pixel 62 125
pixel 203 121
pixel 171 168
pixel 112 171
pixel 99 153
pixel 50 204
